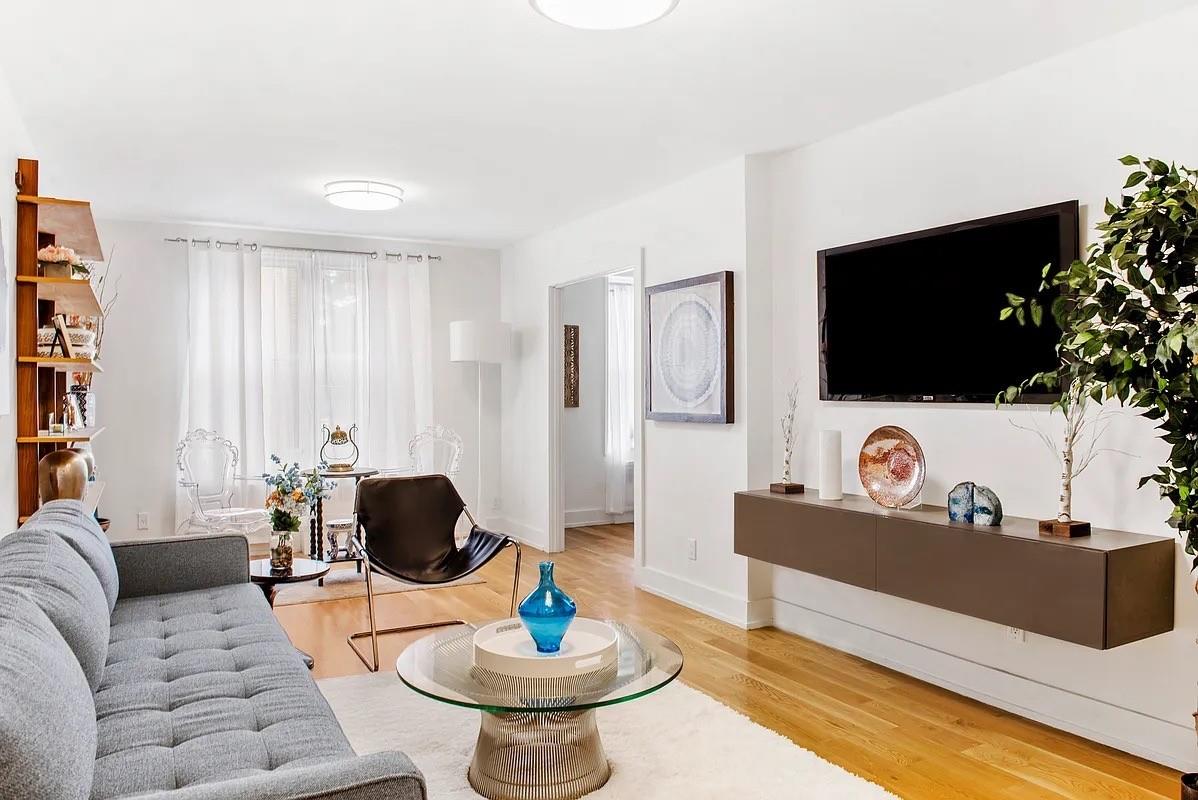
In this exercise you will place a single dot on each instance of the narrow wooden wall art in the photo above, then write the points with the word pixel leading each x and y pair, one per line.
pixel 570 354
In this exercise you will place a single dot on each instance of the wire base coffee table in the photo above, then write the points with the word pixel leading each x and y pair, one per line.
pixel 538 739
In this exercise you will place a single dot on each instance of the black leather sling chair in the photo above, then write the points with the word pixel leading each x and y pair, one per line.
pixel 407 533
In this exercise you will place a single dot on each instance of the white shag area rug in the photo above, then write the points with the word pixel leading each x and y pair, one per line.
pixel 673 744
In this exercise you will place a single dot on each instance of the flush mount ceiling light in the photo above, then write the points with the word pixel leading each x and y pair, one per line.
pixel 363 195
pixel 604 15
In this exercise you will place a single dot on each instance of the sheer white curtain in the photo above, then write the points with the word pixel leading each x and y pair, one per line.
pixel 283 341
pixel 223 380
pixel 399 370
pixel 620 436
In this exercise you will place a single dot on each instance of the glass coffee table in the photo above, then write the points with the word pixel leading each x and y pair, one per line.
pixel 538 739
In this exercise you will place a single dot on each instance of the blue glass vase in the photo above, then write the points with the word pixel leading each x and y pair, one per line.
pixel 547 612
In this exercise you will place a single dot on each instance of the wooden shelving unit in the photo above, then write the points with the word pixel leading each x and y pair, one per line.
pixel 42 380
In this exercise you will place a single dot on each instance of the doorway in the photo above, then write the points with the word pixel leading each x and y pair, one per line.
pixel 595 427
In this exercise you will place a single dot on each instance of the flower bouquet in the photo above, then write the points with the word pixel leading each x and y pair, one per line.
pixel 292 494
pixel 61 262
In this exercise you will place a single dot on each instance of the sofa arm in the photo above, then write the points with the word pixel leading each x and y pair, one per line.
pixel 390 775
pixel 159 566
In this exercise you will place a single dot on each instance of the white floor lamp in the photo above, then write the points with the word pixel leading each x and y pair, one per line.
pixel 482 343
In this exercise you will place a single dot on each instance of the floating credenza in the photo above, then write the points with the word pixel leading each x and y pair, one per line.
pixel 1101 591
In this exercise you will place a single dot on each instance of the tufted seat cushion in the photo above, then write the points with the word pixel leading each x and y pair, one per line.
pixel 204 686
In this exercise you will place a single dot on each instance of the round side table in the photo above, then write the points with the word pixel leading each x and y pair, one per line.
pixel 302 569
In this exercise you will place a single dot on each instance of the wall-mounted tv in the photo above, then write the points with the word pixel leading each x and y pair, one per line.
pixel 915 317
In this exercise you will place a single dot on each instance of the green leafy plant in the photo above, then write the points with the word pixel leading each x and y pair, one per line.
pixel 1127 312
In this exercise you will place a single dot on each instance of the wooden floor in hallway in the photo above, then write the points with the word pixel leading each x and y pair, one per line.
pixel 915 739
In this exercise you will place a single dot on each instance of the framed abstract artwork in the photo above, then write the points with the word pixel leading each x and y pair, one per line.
pixel 688 350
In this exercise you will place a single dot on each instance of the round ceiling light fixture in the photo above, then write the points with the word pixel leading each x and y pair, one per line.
pixel 604 15
pixel 363 195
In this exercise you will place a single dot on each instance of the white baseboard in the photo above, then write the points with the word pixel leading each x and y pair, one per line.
pixel 521 532
pixel 594 516
pixel 1124 729
pixel 704 599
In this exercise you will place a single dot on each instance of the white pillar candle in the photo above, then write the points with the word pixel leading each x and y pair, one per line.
pixel 830 478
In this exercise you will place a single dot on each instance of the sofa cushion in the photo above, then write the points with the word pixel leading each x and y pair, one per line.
pixel 79 529
pixel 55 577
pixel 47 719
pixel 205 686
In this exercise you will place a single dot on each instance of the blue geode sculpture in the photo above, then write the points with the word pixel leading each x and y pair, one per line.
pixel 974 504
pixel 987 508
pixel 960 503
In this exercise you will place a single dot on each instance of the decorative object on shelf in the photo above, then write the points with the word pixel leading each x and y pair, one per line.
pixel 61 262
pixel 688 335
pixel 339 453
pixel 82 339
pixel 786 486
pixel 891 467
pixel 1085 425
pixel 72 414
pixel 974 504
pixel 52 427
pixel 570 364
pixel 61 475
pixel 1121 340
pixel 960 503
pixel 107 291
pixel 88 457
pixel 547 612
pixel 987 508
pixel 831 480
pixel 292 494
pixel 86 399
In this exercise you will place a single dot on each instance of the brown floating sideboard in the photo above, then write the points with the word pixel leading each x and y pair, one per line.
pixel 1101 591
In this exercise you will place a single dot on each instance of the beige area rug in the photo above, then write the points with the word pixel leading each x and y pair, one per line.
pixel 344 581
pixel 675 744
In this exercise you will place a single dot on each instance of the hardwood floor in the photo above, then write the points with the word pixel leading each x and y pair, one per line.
pixel 915 739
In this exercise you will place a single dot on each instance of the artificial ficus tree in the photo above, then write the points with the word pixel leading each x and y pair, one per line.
pixel 1128 313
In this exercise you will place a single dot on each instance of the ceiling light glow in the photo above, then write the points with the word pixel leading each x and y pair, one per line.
pixel 363 195
pixel 604 15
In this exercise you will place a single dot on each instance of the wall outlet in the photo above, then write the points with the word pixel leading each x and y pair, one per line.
pixel 143 520
pixel 1016 634
pixel 692 549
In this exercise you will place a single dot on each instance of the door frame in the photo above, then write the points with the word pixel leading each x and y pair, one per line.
pixel 556 523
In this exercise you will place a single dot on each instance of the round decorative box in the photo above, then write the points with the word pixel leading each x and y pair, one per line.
pixel 505 648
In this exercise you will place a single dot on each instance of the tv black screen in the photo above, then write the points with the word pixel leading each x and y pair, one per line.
pixel 916 317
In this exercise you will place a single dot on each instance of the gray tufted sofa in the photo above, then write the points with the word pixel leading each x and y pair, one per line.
pixel 154 669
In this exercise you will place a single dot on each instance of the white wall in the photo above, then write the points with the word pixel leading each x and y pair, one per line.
pixel 146 341
pixel 690 471
pixel 1043 134
pixel 584 478
pixel 14 144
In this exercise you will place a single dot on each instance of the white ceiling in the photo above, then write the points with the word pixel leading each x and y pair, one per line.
pixel 496 121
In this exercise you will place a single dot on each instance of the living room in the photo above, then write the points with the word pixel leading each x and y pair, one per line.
pixel 516 152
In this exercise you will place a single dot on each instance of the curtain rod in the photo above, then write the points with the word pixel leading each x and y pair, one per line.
pixel 253 246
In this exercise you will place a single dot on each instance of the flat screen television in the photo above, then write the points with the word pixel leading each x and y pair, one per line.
pixel 915 318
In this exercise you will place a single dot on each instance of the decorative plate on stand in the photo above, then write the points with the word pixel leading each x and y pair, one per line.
pixel 891 467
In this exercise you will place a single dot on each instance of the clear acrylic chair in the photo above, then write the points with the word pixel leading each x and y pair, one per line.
pixel 436 450
pixel 207 465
